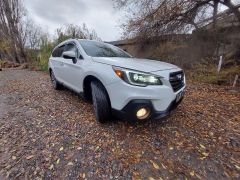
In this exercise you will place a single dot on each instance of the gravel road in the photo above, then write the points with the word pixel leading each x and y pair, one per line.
pixel 49 134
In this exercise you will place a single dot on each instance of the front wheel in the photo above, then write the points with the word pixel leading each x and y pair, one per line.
pixel 101 102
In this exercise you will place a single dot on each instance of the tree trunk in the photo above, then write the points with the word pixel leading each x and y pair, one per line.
pixel 215 11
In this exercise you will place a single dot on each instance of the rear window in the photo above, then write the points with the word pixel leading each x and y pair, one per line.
pixel 58 51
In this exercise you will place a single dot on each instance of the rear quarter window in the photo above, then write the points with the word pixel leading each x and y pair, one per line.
pixel 58 51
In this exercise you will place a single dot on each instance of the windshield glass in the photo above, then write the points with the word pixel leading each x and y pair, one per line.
pixel 99 49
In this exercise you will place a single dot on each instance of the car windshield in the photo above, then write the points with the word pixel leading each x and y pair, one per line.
pixel 99 49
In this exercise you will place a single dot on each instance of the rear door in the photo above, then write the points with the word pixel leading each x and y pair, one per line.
pixel 57 62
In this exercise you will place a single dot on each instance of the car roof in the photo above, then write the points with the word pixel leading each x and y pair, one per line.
pixel 75 39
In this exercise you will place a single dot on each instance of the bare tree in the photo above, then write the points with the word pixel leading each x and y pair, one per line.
pixel 12 28
pixel 75 31
pixel 153 17
pixel 33 35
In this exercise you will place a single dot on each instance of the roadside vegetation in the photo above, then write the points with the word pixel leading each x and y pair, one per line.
pixel 22 41
pixel 207 73
pixel 40 58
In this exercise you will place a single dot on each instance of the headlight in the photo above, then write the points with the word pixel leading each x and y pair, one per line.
pixel 137 78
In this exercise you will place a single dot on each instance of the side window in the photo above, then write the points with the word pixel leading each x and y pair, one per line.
pixel 54 53
pixel 58 51
pixel 71 47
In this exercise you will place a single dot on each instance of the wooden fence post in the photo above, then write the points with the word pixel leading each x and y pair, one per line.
pixel 220 64
pixel 235 80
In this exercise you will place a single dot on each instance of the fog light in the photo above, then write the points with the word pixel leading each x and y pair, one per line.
pixel 143 113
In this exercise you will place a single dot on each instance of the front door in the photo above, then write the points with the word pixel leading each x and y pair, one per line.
pixel 73 70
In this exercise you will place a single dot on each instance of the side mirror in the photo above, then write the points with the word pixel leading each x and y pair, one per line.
pixel 70 55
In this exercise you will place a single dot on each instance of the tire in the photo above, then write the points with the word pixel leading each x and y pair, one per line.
pixel 55 83
pixel 101 102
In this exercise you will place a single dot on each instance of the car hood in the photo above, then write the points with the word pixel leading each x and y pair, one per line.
pixel 144 65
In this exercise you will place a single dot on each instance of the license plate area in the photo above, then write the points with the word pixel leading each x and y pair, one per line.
pixel 179 96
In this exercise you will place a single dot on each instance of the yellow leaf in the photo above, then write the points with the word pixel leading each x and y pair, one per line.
pixel 238 167
pixel 155 165
pixel 192 173
pixel 83 175
pixel 14 157
pixel 202 146
pixel 70 164
pixel 51 167
pixel 29 157
pixel 97 148
pixel 151 178
pixel 61 149
pixel 202 158
pixel 205 154
pixel 164 167
pixel 58 161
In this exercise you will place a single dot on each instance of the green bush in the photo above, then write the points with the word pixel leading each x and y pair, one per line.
pixel 44 54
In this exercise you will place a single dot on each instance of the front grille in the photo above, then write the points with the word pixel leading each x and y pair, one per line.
pixel 177 80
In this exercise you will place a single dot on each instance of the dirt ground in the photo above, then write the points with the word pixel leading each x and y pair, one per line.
pixel 49 134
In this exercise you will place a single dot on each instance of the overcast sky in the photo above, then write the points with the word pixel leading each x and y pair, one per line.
pixel 97 14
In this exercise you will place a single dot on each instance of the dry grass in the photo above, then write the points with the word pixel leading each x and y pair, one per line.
pixel 207 73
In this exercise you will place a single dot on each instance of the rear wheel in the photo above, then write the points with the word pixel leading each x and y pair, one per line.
pixel 55 83
pixel 101 103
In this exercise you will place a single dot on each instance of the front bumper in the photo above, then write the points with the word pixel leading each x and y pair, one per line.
pixel 121 93
pixel 129 111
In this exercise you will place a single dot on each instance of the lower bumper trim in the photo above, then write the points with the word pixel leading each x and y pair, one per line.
pixel 129 111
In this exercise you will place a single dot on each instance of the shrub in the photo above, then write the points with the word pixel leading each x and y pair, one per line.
pixel 44 55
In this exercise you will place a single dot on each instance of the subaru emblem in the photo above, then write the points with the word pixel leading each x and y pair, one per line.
pixel 179 76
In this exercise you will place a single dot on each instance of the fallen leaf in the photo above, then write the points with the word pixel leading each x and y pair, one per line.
pixel 205 154
pixel 151 178
pixel 58 161
pixel 29 157
pixel 164 167
pixel 51 167
pixel 70 164
pixel 192 173
pixel 238 167
pixel 14 157
pixel 61 149
pixel 202 158
pixel 155 165
pixel 97 148
pixel 83 175
pixel 202 146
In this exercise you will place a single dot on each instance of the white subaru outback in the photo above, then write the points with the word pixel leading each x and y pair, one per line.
pixel 117 83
